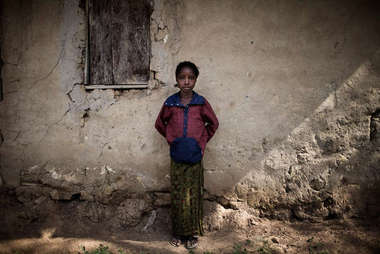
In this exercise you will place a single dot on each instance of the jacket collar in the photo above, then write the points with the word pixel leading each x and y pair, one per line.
pixel 175 100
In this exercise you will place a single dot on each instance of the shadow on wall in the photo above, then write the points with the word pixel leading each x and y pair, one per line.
pixel 227 164
pixel 302 173
pixel 328 165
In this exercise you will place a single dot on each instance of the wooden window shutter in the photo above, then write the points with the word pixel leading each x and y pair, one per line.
pixel 119 41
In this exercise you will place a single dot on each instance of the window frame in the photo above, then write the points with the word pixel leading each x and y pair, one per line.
pixel 88 85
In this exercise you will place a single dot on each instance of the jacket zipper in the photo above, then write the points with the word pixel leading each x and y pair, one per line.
pixel 186 110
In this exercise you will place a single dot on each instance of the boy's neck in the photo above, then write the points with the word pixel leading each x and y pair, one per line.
pixel 186 95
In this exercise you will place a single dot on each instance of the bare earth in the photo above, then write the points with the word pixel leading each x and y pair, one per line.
pixel 265 236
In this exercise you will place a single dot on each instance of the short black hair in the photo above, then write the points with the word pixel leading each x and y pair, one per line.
pixel 187 64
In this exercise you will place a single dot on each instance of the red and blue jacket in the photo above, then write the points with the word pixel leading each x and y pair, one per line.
pixel 187 128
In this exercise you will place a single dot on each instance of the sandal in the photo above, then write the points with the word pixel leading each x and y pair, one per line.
pixel 175 241
pixel 192 243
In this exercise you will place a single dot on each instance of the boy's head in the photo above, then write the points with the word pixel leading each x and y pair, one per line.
pixel 186 77
pixel 187 64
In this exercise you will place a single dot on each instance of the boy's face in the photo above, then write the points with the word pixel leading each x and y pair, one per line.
pixel 186 80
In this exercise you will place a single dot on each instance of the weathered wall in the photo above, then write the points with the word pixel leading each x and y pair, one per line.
pixel 295 85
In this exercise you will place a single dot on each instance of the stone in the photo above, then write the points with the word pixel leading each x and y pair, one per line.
pixel 279 249
pixel 31 174
pixel 253 198
pixel 27 194
pixel 130 211
pixel 162 199
pixel 150 221
pixel 85 195
pixel 61 195
pixel 213 216
pixel 241 191
pixel 300 214
pixel 223 201
pixel 39 200
pixel 274 239
pixel 328 143
pixel 95 212
pixel 317 184
pixel 54 195
pixel 375 127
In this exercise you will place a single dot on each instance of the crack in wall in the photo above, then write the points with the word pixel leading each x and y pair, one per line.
pixel 83 121
pixel 102 150
pixel 68 93
pixel 53 124
pixel 84 118
pixel 60 57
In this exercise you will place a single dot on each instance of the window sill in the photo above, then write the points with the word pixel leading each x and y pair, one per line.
pixel 124 86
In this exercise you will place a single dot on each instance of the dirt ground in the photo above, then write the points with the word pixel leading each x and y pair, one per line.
pixel 61 230
pixel 264 237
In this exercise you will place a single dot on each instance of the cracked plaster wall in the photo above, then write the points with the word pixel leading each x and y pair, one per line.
pixel 295 85
pixel 57 122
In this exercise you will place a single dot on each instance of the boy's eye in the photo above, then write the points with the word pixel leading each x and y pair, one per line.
pixel 184 77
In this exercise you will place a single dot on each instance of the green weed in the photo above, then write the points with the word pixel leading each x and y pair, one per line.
pixel 239 249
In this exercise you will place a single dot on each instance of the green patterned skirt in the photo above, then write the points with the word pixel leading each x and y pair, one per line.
pixel 186 198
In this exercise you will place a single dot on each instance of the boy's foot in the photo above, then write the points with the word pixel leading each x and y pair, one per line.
pixel 192 243
pixel 175 241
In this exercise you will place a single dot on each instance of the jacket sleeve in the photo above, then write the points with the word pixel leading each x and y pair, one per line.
pixel 210 119
pixel 162 120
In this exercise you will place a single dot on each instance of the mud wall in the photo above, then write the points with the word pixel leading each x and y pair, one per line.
pixel 295 85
